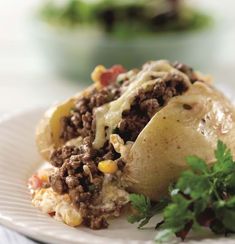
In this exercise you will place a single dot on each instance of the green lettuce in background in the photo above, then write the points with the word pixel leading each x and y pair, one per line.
pixel 125 18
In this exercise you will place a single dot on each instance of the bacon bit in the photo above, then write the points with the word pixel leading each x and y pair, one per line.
pixel 35 182
pixel 110 75
pixel 118 69
pixel 106 78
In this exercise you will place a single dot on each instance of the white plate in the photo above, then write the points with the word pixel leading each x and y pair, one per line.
pixel 18 160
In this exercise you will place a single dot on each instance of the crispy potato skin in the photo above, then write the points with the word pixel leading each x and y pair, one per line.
pixel 190 124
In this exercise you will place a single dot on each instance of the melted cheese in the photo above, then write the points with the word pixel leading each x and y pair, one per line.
pixel 100 136
pixel 114 115
pixel 110 114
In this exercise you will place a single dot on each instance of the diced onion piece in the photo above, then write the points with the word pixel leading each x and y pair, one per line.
pixel 117 69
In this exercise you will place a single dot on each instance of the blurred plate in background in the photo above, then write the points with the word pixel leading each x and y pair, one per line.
pixel 74 46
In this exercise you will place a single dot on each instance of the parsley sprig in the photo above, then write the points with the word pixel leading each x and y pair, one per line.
pixel 145 210
pixel 203 196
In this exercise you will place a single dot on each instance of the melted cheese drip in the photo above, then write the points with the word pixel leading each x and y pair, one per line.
pixel 100 136
pixel 110 114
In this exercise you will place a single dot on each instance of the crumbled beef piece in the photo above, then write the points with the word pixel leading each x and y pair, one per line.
pixel 104 96
pixel 187 70
pixel 97 183
pixel 78 175
pixel 86 120
pixel 95 222
pixel 58 156
pixel 72 181
pixel 131 126
pixel 88 150
pixel 69 130
pixel 58 184
pixel 150 105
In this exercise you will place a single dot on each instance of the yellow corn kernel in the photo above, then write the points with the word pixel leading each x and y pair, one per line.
pixel 108 166
pixel 95 76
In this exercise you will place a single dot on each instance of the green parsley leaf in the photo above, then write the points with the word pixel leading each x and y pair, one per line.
pixel 140 203
pixel 177 214
pixel 194 185
pixel 224 163
pixel 197 164
pixel 228 219
pixel 231 202
pixel 145 210
pixel 202 197
pixel 222 153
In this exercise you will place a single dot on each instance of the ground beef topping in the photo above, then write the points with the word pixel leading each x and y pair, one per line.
pixel 186 70
pixel 81 121
pixel 146 104
pixel 77 174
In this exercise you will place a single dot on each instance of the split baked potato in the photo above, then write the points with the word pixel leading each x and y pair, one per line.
pixel 189 123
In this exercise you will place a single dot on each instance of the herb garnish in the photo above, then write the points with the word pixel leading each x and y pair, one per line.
pixel 203 196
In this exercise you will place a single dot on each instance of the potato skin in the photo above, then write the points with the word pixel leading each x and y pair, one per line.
pixel 190 124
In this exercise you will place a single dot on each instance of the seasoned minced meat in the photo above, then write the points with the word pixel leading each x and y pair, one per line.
pixel 146 104
pixel 186 70
pixel 78 175
pixel 81 122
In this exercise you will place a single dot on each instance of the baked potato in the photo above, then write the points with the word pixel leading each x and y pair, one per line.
pixel 131 132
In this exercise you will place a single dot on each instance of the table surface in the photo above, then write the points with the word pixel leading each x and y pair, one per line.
pixel 26 80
